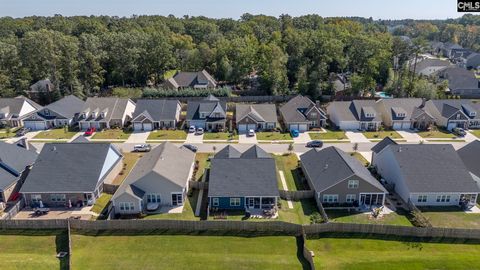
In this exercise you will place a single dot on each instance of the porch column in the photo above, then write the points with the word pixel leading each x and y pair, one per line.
pixel 383 201
pixel 261 203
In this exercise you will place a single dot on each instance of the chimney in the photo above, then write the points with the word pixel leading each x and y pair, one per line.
pixel 424 100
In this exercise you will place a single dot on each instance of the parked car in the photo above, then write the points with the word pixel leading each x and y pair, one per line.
pixel 21 132
pixel 315 144
pixel 460 132
pixel 251 133
pixel 142 148
pixel 199 131
pixel 294 133
pixel 90 131
pixel 191 129
pixel 191 147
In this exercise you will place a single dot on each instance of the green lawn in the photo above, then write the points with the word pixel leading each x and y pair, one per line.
pixel 273 136
pixel 292 172
pixel 202 160
pixel 167 135
pixel 219 136
pixel 436 134
pixel 183 252
pixel 112 134
pixel 344 216
pixel 451 217
pixel 129 160
pixel 392 254
pixel 381 134
pixel 101 203
pixel 301 212
pixel 360 158
pixel 31 250
pixel 475 132
pixel 329 135
pixel 57 134
pixel 188 212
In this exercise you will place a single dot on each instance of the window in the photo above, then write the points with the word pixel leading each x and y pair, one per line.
pixel 313 114
pixel 215 202
pixel 47 112
pixel 36 198
pixel 350 198
pixel 458 116
pixel 126 206
pixel 422 198
pixel 443 198
pixel 153 198
pixel 177 199
pixel 327 198
pixel 234 201
pixel 353 184
pixel 57 197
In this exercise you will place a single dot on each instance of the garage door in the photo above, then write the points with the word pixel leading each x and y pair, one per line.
pixel 252 126
pixel 451 126
pixel 35 125
pixel 293 126
pixel 302 128
pixel 242 128
pixel 397 126
pixel 137 126
pixel 147 126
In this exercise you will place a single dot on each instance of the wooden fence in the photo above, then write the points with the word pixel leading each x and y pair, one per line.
pixel 198 185
pixel 238 99
pixel 322 211
pixel 12 209
pixel 296 195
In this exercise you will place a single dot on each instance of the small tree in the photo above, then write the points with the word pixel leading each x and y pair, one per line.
pixel 290 148
pixel 214 149
pixel 8 130
pixel 355 147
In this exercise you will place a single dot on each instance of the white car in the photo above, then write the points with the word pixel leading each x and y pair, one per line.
pixel 251 133
pixel 191 129
pixel 199 131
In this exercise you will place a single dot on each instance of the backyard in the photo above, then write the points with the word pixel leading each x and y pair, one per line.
pixel 32 249
pixel 167 135
pixel 439 133
pixel 360 158
pixel 273 136
pixel 183 252
pixel 56 134
pixel 288 164
pixel 202 160
pixel 344 216
pixel 301 212
pixel 328 135
pixel 451 217
pixel 112 134
pixel 188 212
pixel 129 160
pixel 219 136
pixel 101 203
pixel 394 253
pixel 382 134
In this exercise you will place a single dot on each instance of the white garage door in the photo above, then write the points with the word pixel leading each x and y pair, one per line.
pixel 35 125
pixel 293 126
pixel 137 126
pixel 252 126
pixel 242 128
pixel 302 127
pixel 147 126
pixel 397 125
pixel 451 126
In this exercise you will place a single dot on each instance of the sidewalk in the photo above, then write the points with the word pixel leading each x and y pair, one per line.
pixel 356 137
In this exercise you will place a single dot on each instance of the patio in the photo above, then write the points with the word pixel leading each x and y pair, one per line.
pixel 83 213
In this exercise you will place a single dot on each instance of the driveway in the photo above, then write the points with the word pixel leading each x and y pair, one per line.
pixel 243 138
pixel 27 136
pixel 470 137
pixel 356 137
pixel 302 138
pixel 410 135
pixel 138 137
pixel 192 138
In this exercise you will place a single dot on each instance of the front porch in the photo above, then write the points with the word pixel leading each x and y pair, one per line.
pixel 369 126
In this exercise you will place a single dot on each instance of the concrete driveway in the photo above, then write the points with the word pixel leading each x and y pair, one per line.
pixel 27 136
pixel 302 138
pixel 138 137
pixel 470 137
pixel 410 135
pixel 192 138
pixel 356 137
pixel 243 138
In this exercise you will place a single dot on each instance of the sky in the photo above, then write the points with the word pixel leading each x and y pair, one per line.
pixel 378 9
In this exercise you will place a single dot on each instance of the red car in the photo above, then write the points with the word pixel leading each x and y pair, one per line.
pixel 90 131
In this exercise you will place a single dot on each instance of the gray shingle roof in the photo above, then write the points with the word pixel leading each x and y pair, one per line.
pixel 13 161
pixel 228 152
pixel 258 112
pixel 331 165
pixel 459 78
pixel 244 176
pixel 114 108
pixel 432 168
pixel 405 105
pixel 382 144
pixel 158 109
pixel 13 106
pixel 295 109
pixel 448 107
pixel 424 65
pixel 66 108
pixel 355 110
pixel 68 167
pixel 470 155
pixel 208 105
pixel 190 79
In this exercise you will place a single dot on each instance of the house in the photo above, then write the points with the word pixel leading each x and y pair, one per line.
pixel 153 114
pixel 209 113
pixel 41 91
pixel 452 113
pixel 242 181
pixel 71 173
pixel 159 178
pixel 15 163
pixel 354 115
pixel 448 49
pixel 426 174
pixel 461 82
pixel 472 61
pixel 405 113
pixel 302 114
pixel 469 155
pixel 102 113
pixel 14 110
pixel 63 112
pixel 340 84
pixel 339 179
pixel 196 80
pixel 429 66
pixel 255 116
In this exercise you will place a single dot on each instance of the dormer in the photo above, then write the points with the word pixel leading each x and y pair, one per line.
pixel 217 112
pixel 399 112
pixel 469 110
pixel 104 113
pixel 368 112
pixel 46 112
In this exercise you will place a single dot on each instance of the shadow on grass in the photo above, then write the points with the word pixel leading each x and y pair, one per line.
pixel 299 179
pixel 441 209
pixel 300 257
pixel 61 242
pixel 309 206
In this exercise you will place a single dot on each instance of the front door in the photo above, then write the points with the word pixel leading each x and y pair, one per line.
pixel 250 202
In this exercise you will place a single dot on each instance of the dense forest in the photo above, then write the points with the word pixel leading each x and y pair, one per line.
pixel 84 55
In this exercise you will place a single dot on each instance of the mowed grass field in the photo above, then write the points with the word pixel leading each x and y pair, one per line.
pixel 29 250
pixel 183 252
pixel 374 254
